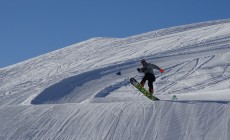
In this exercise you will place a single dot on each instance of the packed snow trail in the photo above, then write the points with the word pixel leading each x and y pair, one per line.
pixel 128 120
pixel 181 76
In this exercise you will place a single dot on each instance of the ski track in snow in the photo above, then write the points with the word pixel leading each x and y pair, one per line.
pixel 74 92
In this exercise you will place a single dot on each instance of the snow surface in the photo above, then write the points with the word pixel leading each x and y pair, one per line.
pixel 74 92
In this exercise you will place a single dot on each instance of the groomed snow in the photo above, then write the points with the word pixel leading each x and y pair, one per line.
pixel 74 92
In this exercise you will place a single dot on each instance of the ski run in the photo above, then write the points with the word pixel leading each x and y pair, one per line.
pixel 74 93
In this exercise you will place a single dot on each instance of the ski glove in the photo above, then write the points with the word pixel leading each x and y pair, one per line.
pixel 162 70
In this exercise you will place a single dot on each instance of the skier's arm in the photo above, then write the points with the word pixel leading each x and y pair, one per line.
pixel 155 67
pixel 158 68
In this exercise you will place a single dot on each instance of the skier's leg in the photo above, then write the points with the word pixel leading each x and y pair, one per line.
pixel 150 83
pixel 143 80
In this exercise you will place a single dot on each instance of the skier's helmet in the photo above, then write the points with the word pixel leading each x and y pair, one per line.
pixel 143 61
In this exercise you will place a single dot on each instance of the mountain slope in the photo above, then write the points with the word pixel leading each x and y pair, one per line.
pixel 74 93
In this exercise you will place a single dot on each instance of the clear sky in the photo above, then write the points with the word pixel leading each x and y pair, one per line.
pixel 29 28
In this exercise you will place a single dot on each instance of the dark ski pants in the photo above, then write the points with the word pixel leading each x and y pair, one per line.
pixel 151 78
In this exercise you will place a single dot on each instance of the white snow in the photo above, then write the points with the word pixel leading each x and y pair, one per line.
pixel 74 92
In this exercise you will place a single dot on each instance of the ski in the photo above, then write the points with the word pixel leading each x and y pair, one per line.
pixel 137 85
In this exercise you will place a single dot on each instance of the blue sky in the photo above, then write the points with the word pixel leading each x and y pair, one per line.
pixel 29 28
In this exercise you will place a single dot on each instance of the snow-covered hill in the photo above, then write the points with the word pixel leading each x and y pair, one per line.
pixel 74 92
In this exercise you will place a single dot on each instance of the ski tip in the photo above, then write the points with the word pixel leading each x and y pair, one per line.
pixel 132 79
pixel 156 99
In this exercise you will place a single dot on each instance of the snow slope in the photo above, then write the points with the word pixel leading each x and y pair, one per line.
pixel 74 92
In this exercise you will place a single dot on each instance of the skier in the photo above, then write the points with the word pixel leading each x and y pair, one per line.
pixel 147 69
